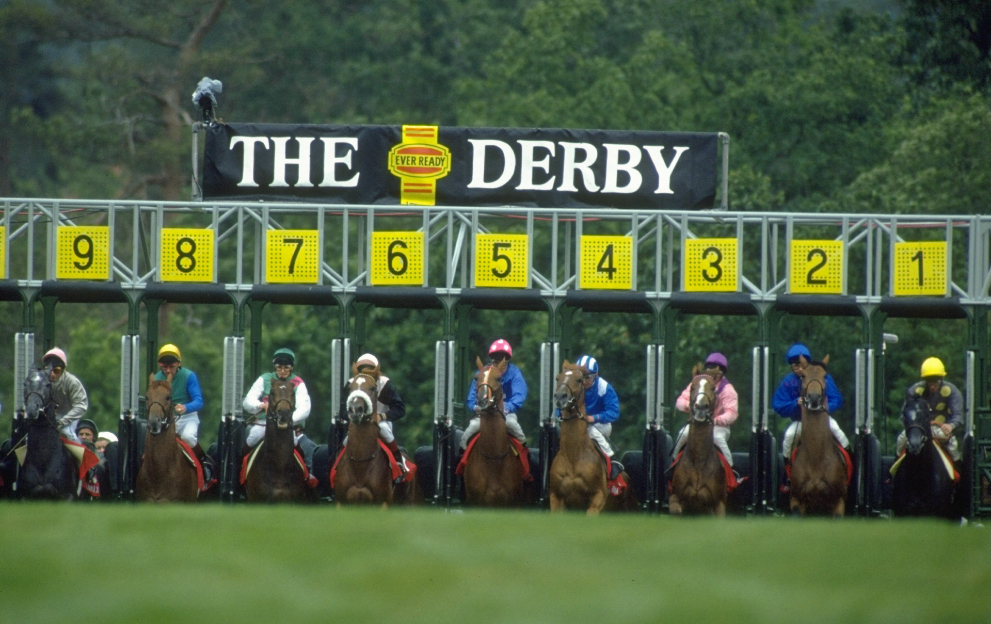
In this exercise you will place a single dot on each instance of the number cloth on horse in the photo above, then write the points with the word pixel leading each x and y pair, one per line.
pixel 86 460
pixel 731 481
pixel 517 448
pixel 249 461
pixel 398 474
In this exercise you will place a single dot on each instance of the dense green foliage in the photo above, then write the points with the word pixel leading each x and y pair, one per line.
pixel 831 106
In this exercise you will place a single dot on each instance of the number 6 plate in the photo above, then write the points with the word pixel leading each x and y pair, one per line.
pixel 397 259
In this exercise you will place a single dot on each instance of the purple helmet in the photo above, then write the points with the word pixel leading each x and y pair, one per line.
pixel 719 360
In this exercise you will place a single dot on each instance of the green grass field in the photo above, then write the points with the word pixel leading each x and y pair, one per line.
pixel 212 563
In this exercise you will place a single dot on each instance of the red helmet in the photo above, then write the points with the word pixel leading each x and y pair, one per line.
pixel 501 346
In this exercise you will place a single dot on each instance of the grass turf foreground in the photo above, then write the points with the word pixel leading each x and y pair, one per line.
pixel 211 563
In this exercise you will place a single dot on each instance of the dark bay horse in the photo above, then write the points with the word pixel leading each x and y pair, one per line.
pixel 364 473
pixel 698 484
pixel 166 475
pixel 276 476
pixel 818 472
pixel 922 484
pixel 493 475
pixel 49 470
pixel 578 477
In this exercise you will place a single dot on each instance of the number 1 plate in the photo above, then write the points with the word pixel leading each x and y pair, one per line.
pixel 920 269
pixel 397 259
pixel 816 267
pixel 292 256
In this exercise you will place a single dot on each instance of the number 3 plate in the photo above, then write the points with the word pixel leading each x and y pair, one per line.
pixel 816 267
pixel 711 265
pixel 397 259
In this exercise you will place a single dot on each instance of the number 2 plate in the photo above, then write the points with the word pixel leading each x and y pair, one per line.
pixel 711 265
pixel 397 259
pixel 501 260
pixel 292 256
pixel 920 269
pixel 816 267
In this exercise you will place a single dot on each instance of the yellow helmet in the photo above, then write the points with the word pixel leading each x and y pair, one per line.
pixel 933 367
pixel 169 349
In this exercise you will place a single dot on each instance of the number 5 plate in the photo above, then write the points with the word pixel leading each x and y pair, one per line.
pixel 501 260
pixel 397 259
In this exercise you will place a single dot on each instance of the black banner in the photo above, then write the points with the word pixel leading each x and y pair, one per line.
pixel 446 166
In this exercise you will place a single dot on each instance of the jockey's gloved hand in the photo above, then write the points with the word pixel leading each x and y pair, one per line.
pixel 477 408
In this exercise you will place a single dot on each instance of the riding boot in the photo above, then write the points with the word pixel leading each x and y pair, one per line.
pixel 394 447
pixel 616 469
pixel 206 461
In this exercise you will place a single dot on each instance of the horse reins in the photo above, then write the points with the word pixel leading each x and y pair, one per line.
pixel 572 401
pixel 805 400
pixel 711 406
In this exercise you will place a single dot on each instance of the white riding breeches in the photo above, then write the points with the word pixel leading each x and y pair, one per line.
pixel 949 444
pixel 599 432
pixel 257 433
pixel 187 427
pixel 385 432
pixel 69 431
pixel 512 427
pixel 794 433
pixel 720 437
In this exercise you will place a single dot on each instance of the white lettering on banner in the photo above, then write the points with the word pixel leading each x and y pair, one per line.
pixel 621 159
pixel 613 167
pixel 528 164
pixel 663 170
pixel 478 163
pixel 331 159
pixel 248 175
pixel 281 161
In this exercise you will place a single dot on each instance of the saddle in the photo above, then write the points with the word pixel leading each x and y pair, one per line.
pixel 843 453
pixel 397 472
pixel 731 481
pixel 947 462
pixel 517 449
pixel 86 460
pixel 201 483
pixel 249 462
pixel 617 486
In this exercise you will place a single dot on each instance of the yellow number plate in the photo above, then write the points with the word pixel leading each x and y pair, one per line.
pixel 501 260
pixel 920 269
pixel 816 267
pixel 397 259
pixel 187 255
pixel 292 257
pixel 711 265
pixel 607 262
pixel 83 252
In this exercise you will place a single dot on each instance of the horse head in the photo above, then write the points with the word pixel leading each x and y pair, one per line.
pixel 917 419
pixel 158 401
pixel 814 385
pixel 488 386
pixel 363 395
pixel 281 403
pixel 702 395
pixel 570 391
pixel 37 393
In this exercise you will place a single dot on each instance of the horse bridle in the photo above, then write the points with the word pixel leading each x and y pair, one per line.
pixel 495 407
pixel 805 400
pixel 372 401
pixel 574 399
pixel 925 429
pixel 711 407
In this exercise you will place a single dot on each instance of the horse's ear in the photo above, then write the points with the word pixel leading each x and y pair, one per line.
pixel 151 378
pixel 697 369
pixel 478 363
pixel 566 365
pixel 825 360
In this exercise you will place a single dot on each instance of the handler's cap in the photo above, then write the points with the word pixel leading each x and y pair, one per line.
pixel 108 436
pixel 86 423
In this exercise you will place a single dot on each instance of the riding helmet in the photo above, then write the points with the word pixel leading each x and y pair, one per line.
pixel 108 436
pixel 589 363
pixel 284 356
pixel 56 354
pixel 797 350
pixel 86 423
pixel 933 367
pixel 367 360
pixel 719 360
pixel 169 351
pixel 501 346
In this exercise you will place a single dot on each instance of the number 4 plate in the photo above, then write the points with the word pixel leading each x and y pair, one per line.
pixel 607 262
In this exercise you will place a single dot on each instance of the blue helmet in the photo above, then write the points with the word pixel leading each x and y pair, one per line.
pixel 796 350
pixel 589 363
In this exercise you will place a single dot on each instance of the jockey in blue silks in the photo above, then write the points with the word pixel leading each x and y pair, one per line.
pixel 786 400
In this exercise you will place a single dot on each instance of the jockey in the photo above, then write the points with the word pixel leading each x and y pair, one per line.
pixel 601 409
pixel 68 393
pixel 946 403
pixel 256 400
pixel 187 401
pixel 390 405
pixel 724 411
pixel 513 390
pixel 789 393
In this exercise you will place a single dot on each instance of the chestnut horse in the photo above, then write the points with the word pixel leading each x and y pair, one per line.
pixel 922 485
pixel 364 474
pixel 49 470
pixel 493 475
pixel 166 475
pixel 578 476
pixel 698 485
pixel 818 472
pixel 276 476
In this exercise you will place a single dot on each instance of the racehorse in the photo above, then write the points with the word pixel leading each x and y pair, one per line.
pixel 578 478
pixel 923 486
pixel 166 475
pixel 49 470
pixel 364 473
pixel 698 484
pixel 493 475
pixel 276 476
pixel 818 471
